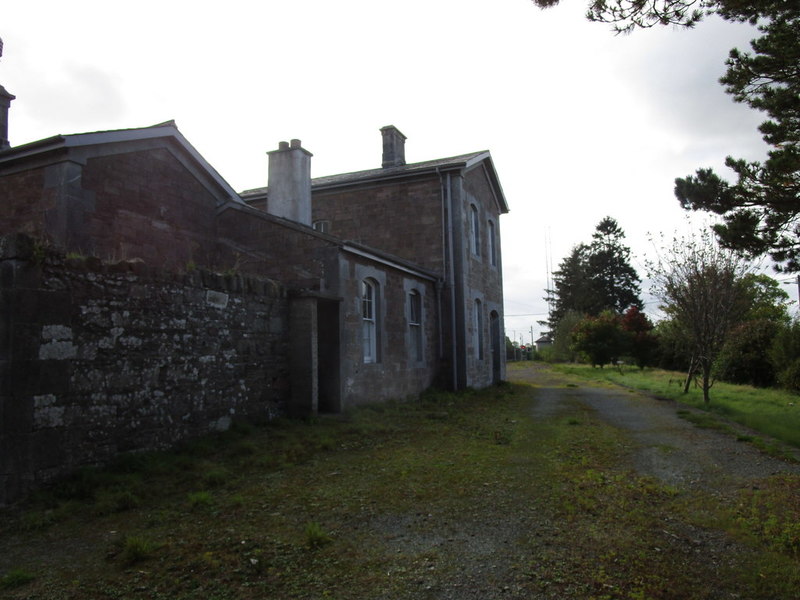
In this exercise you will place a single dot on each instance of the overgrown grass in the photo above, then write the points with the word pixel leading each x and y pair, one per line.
pixel 397 500
pixel 775 413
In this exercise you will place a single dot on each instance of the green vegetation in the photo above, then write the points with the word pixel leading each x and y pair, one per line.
pixel 401 500
pixel 775 413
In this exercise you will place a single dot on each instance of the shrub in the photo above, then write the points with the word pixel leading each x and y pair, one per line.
pixel 789 378
pixel 744 358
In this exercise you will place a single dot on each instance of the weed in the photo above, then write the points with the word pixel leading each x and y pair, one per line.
pixel 316 536
pixel 136 549
pixel 216 477
pixel 15 578
pixel 200 499
pixel 114 501
pixel 501 438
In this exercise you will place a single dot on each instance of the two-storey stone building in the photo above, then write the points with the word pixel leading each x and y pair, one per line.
pixel 374 285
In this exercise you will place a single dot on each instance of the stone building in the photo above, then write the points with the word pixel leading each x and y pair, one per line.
pixel 302 296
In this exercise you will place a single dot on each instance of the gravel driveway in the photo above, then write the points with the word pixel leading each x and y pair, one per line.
pixel 663 445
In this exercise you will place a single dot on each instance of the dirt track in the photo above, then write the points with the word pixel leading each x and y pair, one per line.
pixel 663 445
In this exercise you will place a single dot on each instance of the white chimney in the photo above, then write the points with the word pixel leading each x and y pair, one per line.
pixel 289 183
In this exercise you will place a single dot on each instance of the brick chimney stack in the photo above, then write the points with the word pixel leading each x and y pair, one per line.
pixel 394 147
pixel 289 183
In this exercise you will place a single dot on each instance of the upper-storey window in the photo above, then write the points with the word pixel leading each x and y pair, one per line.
pixel 475 226
pixel 492 244
pixel 369 320
pixel 415 324
pixel 322 226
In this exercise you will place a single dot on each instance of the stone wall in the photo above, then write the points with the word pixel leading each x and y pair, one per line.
pixel 403 219
pixel 98 359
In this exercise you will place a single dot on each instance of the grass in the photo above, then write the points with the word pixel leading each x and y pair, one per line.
pixel 773 412
pixel 399 500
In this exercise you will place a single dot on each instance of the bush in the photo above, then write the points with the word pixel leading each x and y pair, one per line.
pixel 789 378
pixel 744 358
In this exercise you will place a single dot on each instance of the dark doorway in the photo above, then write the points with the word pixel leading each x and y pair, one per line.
pixel 328 357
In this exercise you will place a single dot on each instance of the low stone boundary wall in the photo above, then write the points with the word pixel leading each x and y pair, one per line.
pixel 99 359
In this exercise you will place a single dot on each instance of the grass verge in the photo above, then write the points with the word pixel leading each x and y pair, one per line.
pixel 775 413
pixel 399 500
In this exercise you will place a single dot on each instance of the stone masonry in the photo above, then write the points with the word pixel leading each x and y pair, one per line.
pixel 98 359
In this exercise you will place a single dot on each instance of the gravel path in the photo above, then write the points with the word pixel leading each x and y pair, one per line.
pixel 663 445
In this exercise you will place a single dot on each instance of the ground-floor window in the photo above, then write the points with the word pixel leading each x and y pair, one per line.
pixel 415 324
pixel 478 337
pixel 369 327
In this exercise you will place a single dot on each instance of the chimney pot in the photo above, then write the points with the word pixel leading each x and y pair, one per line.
pixel 283 145
pixel 295 143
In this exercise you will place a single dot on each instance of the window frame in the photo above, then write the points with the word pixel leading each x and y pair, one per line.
pixel 415 328
pixel 369 321
pixel 478 337
pixel 475 228
pixel 492 233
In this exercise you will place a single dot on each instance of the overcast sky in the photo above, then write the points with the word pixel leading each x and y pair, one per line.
pixel 581 123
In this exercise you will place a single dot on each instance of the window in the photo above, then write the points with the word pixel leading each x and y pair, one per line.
pixel 322 226
pixel 415 324
pixel 475 225
pixel 492 245
pixel 369 323
pixel 478 337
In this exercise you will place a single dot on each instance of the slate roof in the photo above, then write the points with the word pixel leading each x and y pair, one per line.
pixel 466 161
pixel 62 143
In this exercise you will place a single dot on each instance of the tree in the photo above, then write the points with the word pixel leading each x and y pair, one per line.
pixel 601 339
pixel 744 357
pixel 614 282
pixel 765 298
pixel 761 210
pixel 571 286
pixel 642 344
pixel 563 337
pixel 700 286
pixel 596 277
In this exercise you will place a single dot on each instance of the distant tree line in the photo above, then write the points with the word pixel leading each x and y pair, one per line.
pixel 722 320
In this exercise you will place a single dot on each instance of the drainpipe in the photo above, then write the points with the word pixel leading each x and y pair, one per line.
pixel 449 273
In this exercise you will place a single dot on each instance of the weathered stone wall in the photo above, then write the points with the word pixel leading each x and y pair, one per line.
pixel 402 218
pixel 98 359
pixel 144 204
pixel 256 242
pixel 396 373
pixel 484 282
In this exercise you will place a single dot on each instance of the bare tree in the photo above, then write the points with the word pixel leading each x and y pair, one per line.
pixel 700 287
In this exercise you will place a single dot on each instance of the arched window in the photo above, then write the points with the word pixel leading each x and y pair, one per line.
pixel 475 226
pixel 478 337
pixel 369 320
pixel 492 244
pixel 415 325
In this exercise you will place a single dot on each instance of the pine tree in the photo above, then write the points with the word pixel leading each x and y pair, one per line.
pixel 761 210
pixel 596 277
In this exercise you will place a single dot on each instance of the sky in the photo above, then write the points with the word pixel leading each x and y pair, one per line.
pixel 581 123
